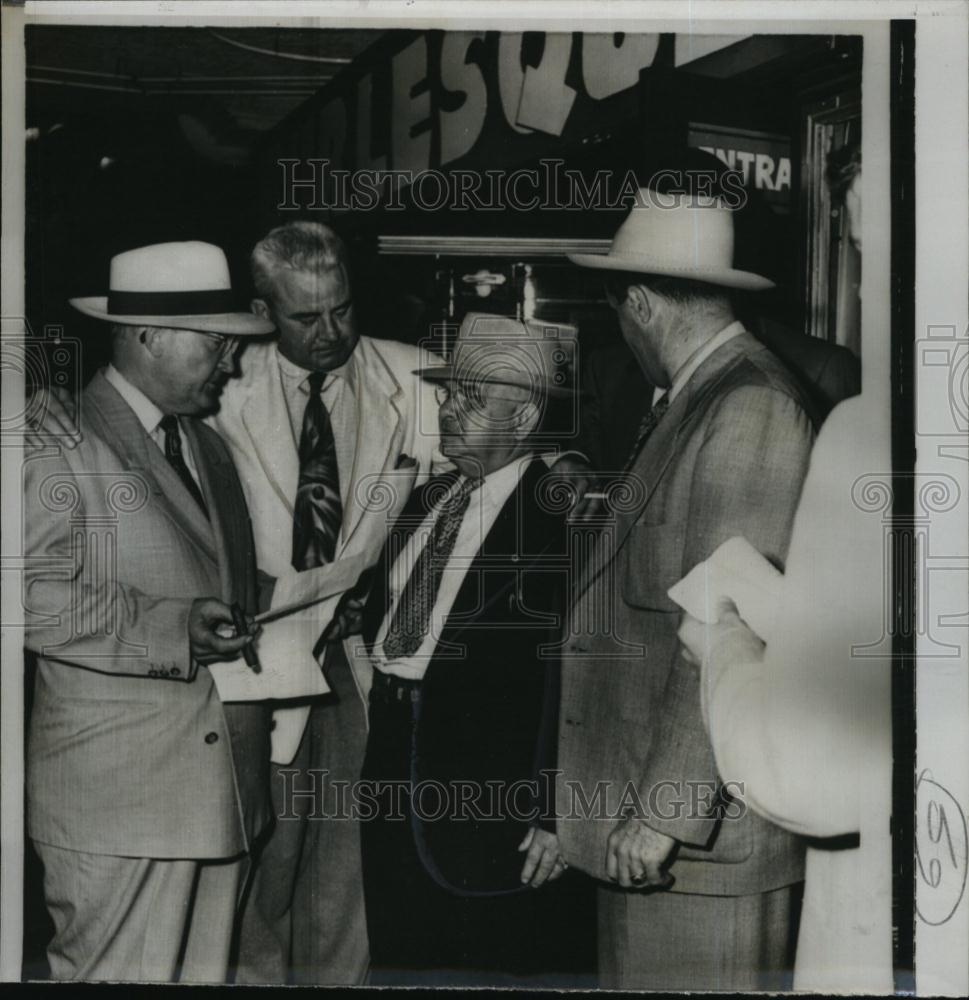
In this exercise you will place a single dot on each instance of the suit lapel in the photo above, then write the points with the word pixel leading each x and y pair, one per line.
pixel 266 419
pixel 217 487
pixel 521 521
pixel 139 452
pixel 657 455
pixel 377 395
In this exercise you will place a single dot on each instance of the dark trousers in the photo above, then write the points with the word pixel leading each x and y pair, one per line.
pixel 423 934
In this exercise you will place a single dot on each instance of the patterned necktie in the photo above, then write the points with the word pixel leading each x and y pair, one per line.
pixel 173 452
pixel 318 511
pixel 412 617
pixel 646 427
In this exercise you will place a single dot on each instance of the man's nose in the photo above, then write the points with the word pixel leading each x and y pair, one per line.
pixel 327 326
pixel 227 363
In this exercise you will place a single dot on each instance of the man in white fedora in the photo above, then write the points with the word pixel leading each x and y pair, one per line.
pixel 144 790
pixel 458 656
pixel 702 891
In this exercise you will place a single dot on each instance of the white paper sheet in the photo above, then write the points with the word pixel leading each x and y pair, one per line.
pixel 298 592
pixel 305 602
pixel 289 669
pixel 735 572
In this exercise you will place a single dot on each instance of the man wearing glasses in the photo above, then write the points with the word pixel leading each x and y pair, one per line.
pixel 144 791
pixel 458 647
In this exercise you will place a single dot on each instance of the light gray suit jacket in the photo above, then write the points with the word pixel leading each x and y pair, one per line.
pixel 728 458
pixel 131 752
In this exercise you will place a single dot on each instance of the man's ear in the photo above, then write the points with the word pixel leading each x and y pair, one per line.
pixel 641 303
pixel 527 418
pixel 260 308
pixel 153 338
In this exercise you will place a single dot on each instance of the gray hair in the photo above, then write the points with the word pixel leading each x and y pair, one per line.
pixel 299 246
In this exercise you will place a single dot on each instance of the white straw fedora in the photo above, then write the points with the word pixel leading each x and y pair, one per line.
pixel 531 354
pixel 184 286
pixel 676 235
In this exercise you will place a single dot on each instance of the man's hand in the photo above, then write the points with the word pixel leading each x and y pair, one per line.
pixel 581 478
pixel 207 621
pixel 700 640
pixel 637 856
pixel 347 620
pixel 56 417
pixel 543 862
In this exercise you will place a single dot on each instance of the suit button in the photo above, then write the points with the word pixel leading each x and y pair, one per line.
pixel 211 737
pixel 318 493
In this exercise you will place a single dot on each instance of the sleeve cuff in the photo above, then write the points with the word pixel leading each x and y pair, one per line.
pixel 169 656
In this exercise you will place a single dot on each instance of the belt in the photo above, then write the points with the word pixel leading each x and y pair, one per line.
pixel 390 687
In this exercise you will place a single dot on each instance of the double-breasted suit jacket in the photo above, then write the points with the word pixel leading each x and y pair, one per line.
pixel 489 697
pixel 728 458
pixel 131 752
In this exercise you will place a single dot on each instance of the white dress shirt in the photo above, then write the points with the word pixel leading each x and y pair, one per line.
pixel 339 399
pixel 483 508
pixel 150 417
pixel 686 370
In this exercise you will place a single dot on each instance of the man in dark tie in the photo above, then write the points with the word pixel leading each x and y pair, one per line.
pixel 144 791
pixel 459 638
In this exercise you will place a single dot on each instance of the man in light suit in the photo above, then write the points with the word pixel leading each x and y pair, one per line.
pixel 144 790
pixel 703 892
pixel 305 919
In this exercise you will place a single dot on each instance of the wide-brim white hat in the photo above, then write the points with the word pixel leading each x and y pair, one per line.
pixel 184 286
pixel 537 355
pixel 681 236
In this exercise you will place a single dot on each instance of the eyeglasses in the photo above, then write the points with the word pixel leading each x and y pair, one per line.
pixel 226 344
pixel 468 395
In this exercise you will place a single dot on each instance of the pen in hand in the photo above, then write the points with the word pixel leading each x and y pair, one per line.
pixel 248 651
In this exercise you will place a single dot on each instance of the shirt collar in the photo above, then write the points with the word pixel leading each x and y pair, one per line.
pixel 149 416
pixel 497 486
pixel 693 362
pixel 297 375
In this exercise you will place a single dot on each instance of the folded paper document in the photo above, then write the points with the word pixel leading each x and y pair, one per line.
pixel 735 572
pixel 302 606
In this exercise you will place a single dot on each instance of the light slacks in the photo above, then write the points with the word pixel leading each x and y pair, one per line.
pixel 681 941
pixel 304 922
pixel 140 919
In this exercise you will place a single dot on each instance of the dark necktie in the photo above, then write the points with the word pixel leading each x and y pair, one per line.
pixel 412 617
pixel 173 452
pixel 646 427
pixel 318 511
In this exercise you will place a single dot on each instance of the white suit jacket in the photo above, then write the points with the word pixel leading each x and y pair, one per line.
pixel 396 416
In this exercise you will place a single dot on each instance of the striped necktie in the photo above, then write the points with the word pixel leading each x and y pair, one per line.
pixel 318 511
pixel 412 616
